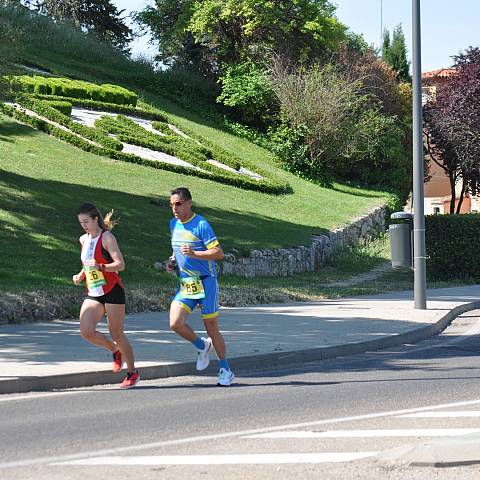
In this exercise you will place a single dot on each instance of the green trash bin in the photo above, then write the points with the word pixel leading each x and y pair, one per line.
pixel 401 244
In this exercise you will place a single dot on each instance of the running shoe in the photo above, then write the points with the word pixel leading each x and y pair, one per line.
pixel 117 361
pixel 130 380
pixel 225 378
pixel 203 357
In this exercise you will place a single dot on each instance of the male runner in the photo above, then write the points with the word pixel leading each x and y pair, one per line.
pixel 195 250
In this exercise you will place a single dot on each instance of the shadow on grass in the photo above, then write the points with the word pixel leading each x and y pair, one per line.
pixel 351 190
pixel 11 129
pixel 40 230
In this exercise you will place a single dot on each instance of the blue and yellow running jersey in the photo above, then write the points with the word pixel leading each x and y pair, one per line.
pixel 197 233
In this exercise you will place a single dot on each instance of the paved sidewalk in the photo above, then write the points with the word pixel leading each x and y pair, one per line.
pixel 43 356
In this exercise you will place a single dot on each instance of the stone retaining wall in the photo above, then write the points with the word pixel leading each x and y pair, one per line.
pixel 287 261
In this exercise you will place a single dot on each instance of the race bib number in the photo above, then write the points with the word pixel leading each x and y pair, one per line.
pixel 94 277
pixel 192 287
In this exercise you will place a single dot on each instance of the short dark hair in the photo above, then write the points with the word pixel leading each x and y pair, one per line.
pixel 183 192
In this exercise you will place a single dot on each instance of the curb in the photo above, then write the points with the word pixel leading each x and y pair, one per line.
pixel 459 451
pixel 266 360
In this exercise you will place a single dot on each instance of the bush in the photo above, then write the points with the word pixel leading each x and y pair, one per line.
pixel 63 107
pixel 332 130
pixel 247 90
pixel 108 107
pixel 93 134
pixel 77 89
pixel 452 245
pixel 266 185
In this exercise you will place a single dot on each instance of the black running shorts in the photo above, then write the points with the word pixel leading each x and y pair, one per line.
pixel 115 296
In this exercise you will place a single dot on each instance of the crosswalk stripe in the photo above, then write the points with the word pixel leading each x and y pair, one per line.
pixel 227 435
pixel 451 414
pixel 242 459
pixel 419 432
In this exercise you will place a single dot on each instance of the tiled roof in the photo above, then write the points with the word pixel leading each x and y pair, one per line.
pixel 442 73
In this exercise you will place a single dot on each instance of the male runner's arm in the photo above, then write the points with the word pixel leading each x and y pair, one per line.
pixel 215 253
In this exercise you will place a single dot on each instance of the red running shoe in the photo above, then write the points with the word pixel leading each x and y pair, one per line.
pixel 130 380
pixel 117 361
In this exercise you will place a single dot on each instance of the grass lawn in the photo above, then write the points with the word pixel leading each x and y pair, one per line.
pixel 44 180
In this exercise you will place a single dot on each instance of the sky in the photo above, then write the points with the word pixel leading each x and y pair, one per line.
pixel 448 26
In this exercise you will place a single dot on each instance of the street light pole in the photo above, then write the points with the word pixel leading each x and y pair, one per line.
pixel 419 262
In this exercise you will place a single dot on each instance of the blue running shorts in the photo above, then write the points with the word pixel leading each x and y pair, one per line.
pixel 209 304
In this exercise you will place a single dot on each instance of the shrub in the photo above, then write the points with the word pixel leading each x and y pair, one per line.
pixel 108 107
pixel 77 89
pixel 452 244
pixel 332 130
pixel 95 135
pixel 107 147
pixel 63 107
pixel 246 89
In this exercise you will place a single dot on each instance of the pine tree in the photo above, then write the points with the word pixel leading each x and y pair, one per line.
pixel 386 46
pixel 394 52
pixel 99 16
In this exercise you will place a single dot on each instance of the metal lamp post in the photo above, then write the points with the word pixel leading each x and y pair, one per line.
pixel 419 261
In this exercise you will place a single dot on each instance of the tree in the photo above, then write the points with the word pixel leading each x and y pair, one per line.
pixel 95 16
pixel 439 149
pixel 12 42
pixel 246 89
pixel 333 129
pixel 386 46
pixel 168 22
pixel 453 126
pixel 394 52
pixel 230 32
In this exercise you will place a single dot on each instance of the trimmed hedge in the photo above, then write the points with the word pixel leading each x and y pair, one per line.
pixel 65 87
pixel 128 131
pixel 240 181
pixel 42 108
pixel 452 245
pixel 188 149
pixel 62 107
pixel 110 107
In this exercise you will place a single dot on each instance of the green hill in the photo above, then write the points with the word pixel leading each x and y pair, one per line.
pixel 43 180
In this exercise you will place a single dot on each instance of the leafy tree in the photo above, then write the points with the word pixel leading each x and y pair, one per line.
pixel 96 16
pixel 229 32
pixel 378 79
pixel 452 124
pixel 168 22
pixel 11 45
pixel 333 129
pixel 394 52
pixel 356 42
pixel 247 89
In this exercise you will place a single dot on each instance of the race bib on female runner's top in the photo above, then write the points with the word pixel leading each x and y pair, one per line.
pixel 93 277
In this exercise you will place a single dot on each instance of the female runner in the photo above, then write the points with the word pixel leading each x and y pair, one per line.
pixel 102 259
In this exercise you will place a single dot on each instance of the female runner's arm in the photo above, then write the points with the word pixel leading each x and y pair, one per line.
pixel 110 244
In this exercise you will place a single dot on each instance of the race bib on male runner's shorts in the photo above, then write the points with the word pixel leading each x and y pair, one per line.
pixel 192 287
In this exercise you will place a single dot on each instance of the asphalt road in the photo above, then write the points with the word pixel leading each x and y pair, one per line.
pixel 332 419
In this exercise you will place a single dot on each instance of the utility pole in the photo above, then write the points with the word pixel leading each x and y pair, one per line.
pixel 419 259
pixel 381 22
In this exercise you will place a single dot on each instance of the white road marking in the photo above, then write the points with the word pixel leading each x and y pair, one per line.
pixel 34 396
pixel 244 459
pixel 418 432
pixel 217 436
pixel 448 414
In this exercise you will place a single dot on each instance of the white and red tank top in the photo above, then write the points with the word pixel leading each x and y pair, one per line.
pixel 99 282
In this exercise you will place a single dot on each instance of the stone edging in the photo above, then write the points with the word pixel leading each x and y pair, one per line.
pixel 287 261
